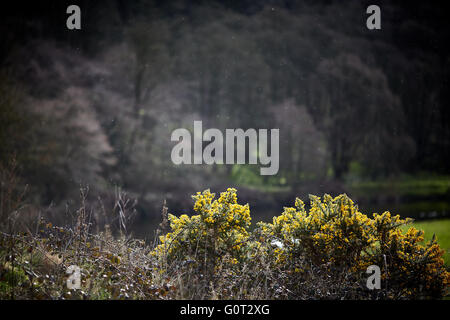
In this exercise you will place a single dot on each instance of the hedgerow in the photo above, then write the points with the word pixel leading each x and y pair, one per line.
pixel 317 252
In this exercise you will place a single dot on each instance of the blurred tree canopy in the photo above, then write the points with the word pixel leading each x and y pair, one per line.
pixel 97 106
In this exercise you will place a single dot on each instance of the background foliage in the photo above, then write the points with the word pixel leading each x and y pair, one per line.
pixel 362 112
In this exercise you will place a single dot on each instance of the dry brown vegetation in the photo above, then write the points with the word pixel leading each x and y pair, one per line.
pixel 194 259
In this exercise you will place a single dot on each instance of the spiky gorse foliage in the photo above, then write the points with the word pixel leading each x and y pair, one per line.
pixel 334 235
pixel 317 253
pixel 326 247
pixel 332 231
pixel 218 234
pixel 414 269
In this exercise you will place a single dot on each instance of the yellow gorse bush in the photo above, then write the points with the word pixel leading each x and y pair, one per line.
pixel 332 231
pixel 333 234
pixel 219 231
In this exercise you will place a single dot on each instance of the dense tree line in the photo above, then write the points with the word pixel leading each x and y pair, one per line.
pixel 97 106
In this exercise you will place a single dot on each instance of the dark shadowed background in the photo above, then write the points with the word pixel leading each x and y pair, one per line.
pixel 359 111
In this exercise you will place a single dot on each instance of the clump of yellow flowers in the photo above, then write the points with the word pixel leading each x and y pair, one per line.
pixel 332 231
pixel 336 235
pixel 217 234
pixel 332 237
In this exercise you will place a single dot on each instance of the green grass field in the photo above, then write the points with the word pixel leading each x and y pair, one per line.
pixel 442 230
